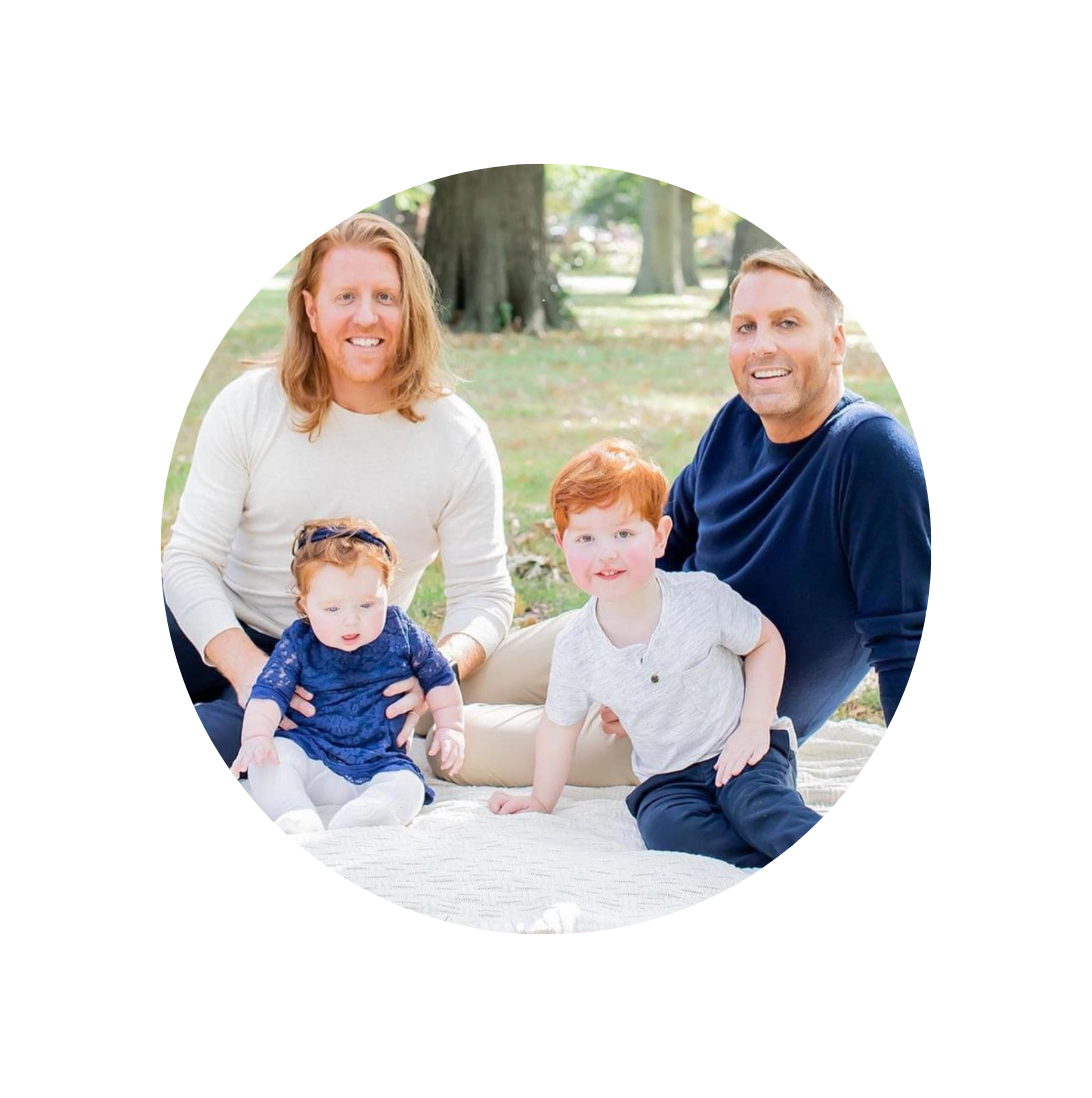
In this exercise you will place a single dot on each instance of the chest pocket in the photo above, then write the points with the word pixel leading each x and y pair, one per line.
pixel 707 682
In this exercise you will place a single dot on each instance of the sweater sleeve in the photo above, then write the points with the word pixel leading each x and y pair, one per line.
pixel 884 526
pixel 208 516
pixel 478 589
pixel 740 621
pixel 682 543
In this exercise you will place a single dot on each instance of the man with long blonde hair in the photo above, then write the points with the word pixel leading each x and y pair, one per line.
pixel 357 416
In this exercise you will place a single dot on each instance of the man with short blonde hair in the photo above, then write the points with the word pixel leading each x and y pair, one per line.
pixel 807 499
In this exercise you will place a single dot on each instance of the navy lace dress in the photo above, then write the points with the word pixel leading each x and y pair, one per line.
pixel 350 732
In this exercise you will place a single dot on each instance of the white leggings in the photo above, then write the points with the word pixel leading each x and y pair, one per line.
pixel 289 792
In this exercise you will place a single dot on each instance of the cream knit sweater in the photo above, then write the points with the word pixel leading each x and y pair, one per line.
pixel 434 487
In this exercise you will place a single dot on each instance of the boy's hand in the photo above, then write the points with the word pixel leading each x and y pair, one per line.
pixel 256 751
pixel 745 746
pixel 451 744
pixel 504 804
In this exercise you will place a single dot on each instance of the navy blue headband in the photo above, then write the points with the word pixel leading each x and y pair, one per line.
pixel 321 533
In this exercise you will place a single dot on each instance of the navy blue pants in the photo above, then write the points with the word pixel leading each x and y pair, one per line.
pixel 217 707
pixel 747 822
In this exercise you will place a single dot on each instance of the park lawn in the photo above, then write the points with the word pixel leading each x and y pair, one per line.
pixel 651 369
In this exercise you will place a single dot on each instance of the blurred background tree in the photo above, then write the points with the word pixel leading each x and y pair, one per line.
pixel 508 245
pixel 748 238
pixel 661 227
pixel 486 244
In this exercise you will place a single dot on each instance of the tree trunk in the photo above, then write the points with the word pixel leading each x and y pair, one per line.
pixel 661 264
pixel 749 238
pixel 686 238
pixel 388 208
pixel 486 244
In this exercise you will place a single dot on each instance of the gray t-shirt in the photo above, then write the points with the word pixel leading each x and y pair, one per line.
pixel 679 697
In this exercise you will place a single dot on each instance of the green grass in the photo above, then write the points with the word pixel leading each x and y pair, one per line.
pixel 652 369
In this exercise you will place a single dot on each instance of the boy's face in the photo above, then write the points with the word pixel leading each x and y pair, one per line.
pixel 611 552
pixel 347 610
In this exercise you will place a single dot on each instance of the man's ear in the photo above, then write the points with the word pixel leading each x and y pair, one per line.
pixel 838 340
pixel 557 538
pixel 309 305
pixel 663 530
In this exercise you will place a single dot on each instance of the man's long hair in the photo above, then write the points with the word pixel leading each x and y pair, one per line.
pixel 418 371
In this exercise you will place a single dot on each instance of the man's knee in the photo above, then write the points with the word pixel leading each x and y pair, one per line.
pixel 518 671
pixel 203 683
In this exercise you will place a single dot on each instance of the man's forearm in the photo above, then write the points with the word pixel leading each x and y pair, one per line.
pixel 234 655
pixel 463 649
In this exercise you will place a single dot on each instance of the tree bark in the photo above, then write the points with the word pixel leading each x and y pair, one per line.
pixel 686 238
pixel 661 263
pixel 388 208
pixel 749 238
pixel 486 244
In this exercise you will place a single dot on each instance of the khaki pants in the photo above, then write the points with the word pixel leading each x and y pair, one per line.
pixel 504 702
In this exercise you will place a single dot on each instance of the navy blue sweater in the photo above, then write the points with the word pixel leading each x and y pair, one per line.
pixel 828 537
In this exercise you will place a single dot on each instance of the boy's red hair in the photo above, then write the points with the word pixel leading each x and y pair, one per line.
pixel 603 474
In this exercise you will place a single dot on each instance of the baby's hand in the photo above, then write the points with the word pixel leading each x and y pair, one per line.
pixel 451 744
pixel 504 804
pixel 745 746
pixel 256 751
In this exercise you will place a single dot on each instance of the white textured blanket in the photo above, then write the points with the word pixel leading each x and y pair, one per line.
pixel 582 868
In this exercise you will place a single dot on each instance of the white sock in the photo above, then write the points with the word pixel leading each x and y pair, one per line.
pixel 391 798
pixel 299 821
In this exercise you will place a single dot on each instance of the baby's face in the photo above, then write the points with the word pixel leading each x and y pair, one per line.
pixel 611 552
pixel 347 610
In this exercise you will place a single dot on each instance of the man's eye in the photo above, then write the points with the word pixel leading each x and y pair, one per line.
pixel 625 533
pixel 366 605
pixel 343 298
pixel 386 299
pixel 331 609
pixel 744 327
pixel 788 322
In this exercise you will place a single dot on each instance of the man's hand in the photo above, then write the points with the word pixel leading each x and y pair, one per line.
pixel 745 746
pixel 412 703
pixel 451 744
pixel 301 703
pixel 611 724
pixel 505 804
pixel 256 751
pixel 241 661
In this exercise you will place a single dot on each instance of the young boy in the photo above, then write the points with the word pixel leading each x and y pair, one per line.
pixel 692 669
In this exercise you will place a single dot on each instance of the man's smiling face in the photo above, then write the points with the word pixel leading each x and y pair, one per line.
pixel 356 315
pixel 785 352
